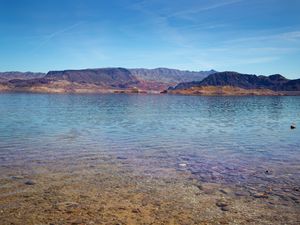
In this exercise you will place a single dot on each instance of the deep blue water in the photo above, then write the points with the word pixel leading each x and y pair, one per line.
pixel 246 132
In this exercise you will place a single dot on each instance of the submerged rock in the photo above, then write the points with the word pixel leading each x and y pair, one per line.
pixel 225 208
pixel 136 210
pixel 121 157
pixel 17 177
pixel 29 182
pixel 260 195
pixel 240 193
pixel 223 205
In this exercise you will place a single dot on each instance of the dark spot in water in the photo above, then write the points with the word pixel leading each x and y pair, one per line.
pixel 269 172
pixel 296 189
pixel 121 157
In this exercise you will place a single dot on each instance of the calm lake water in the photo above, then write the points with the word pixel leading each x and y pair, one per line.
pixel 239 140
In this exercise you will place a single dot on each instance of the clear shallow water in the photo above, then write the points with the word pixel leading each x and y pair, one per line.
pixel 241 140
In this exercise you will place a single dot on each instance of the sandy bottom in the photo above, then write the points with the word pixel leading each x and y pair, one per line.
pixel 107 189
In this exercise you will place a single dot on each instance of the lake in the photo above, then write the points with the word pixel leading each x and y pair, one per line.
pixel 144 159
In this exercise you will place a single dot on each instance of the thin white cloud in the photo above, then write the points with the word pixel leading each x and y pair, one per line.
pixel 201 8
pixel 55 34
pixel 284 36
pixel 191 47
pixel 294 35
pixel 160 19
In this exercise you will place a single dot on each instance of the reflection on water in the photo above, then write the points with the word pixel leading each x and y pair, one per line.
pixel 240 141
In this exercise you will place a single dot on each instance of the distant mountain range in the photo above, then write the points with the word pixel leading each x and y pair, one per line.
pixel 19 75
pixel 275 83
pixel 99 80
pixel 121 80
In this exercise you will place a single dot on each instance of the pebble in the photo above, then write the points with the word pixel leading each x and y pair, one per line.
pixel 136 210
pixel 223 206
pixel 295 199
pixel 199 186
pixel 241 193
pixel 268 172
pixel 76 222
pixel 260 195
pixel 29 182
pixel 121 157
pixel 226 191
pixel 296 189
pixel 17 177
pixel 223 191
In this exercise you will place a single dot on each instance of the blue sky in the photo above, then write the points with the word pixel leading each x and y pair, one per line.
pixel 250 36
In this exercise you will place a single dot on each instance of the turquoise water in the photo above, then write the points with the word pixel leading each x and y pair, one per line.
pixel 221 139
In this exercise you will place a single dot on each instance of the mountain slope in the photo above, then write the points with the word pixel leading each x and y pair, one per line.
pixel 108 77
pixel 166 75
pixel 238 82
pixel 5 76
pixel 274 82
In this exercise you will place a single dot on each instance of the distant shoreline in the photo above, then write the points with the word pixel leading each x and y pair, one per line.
pixel 145 81
pixel 234 92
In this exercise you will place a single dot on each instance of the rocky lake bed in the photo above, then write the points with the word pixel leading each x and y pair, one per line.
pixel 132 159
pixel 110 189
